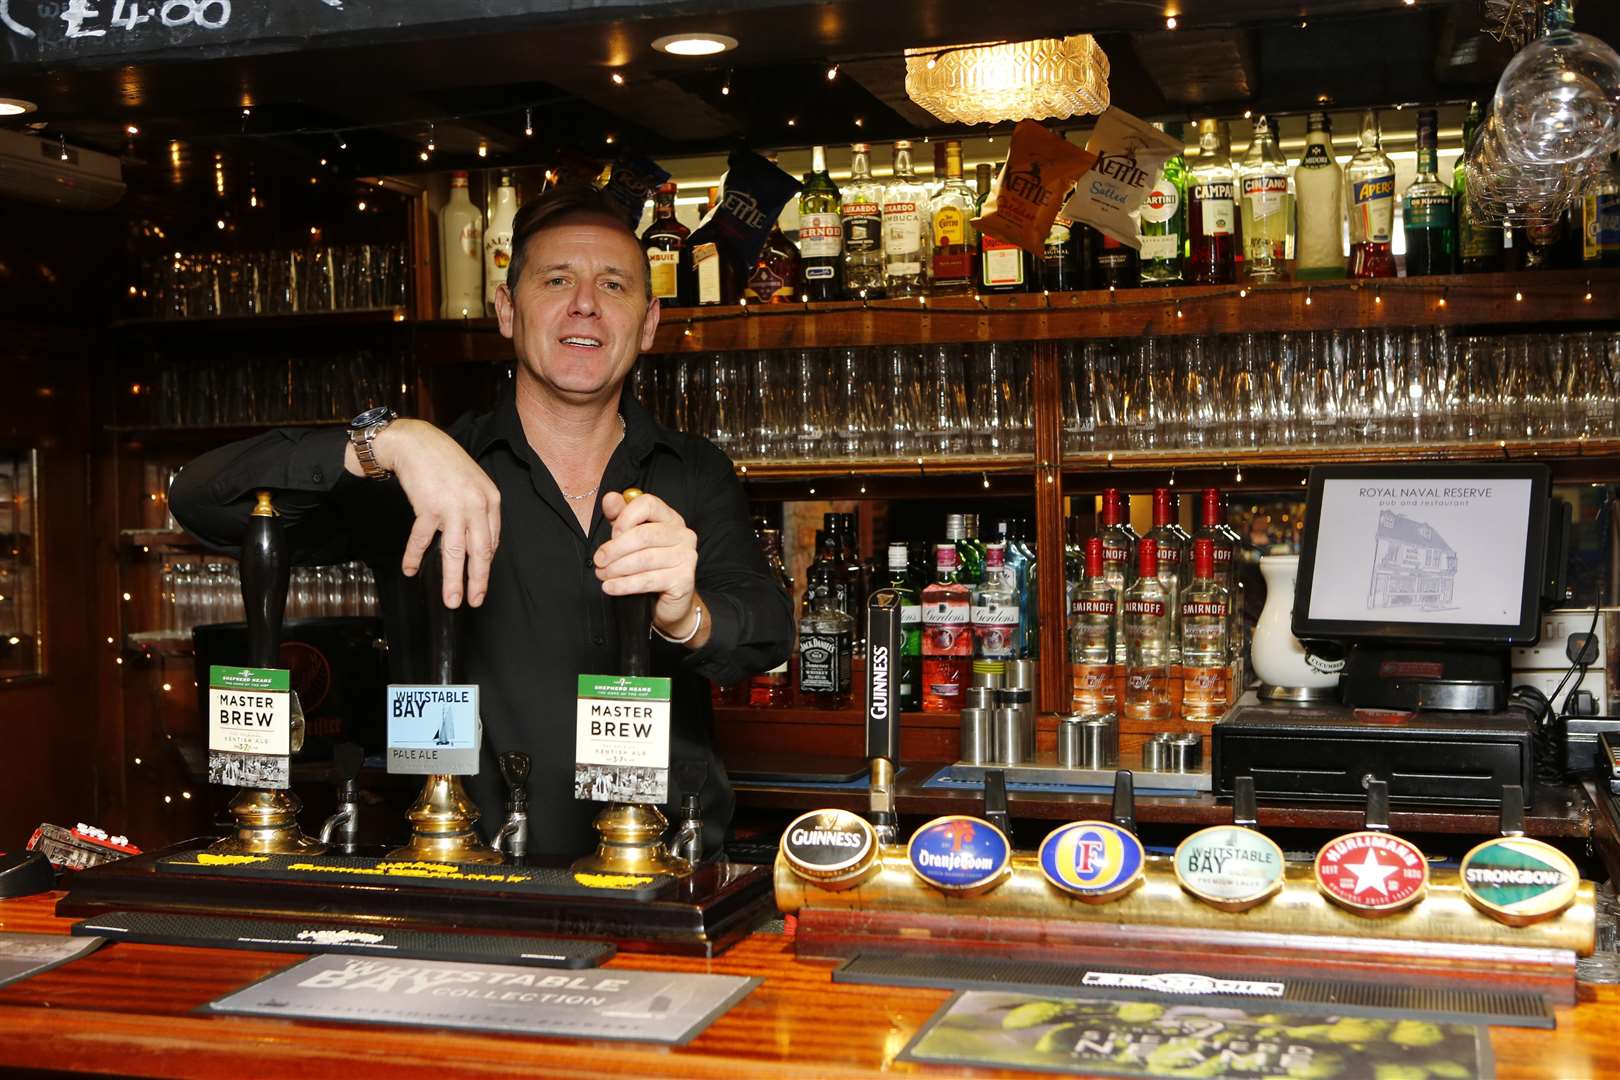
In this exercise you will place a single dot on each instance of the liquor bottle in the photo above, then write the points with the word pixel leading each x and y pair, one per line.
pixel 1206 680
pixel 970 556
pixel 821 232
pixel 775 277
pixel 1211 527
pixel 952 209
pixel 1426 209
pixel 1147 640
pixel 1163 219
pixel 1211 213
pixel 1003 267
pixel 1371 180
pixel 827 572
pixel 1057 270
pixel 1600 217
pixel 1238 640
pixel 856 573
pixel 461 230
pixel 910 628
pixel 1093 615
pixel 710 278
pixel 663 242
pixel 1119 542
pixel 947 647
pixel 1109 263
pixel 1020 564
pixel 825 648
pixel 1319 203
pixel 995 608
pixel 906 236
pixel 862 212
pixel 983 177
pixel 498 240
pixel 773 689
pixel 1172 541
pixel 1479 247
pixel 1268 210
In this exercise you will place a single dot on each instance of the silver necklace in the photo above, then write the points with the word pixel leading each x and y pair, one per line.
pixel 587 494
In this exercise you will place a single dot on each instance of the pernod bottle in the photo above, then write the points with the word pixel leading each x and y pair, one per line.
pixel 906 237
pixel 1206 680
pixel 1147 640
pixel 1172 540
pixel 910 629
pixel 1371 180
pixel 1319 191
pixel 825 648
pixel 821 232
pixel 1211 211
pixel 1479 247
pixel 1093 610
pixel 1268 208
pixel 862 213
pixel 995 608
pixel 1164 220
pixel 1426 209
pixel 947 646
pixel 952 208
pixel 1119 542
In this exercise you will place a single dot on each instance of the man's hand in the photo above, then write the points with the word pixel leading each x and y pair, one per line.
pixel 451 495
pixel 652 551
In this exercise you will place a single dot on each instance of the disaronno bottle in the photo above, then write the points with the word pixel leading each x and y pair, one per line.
pixel 461 231
pixel 498 240
pixel 1319 187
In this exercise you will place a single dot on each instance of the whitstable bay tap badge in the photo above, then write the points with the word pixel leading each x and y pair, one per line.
pixel 1372 873
pixel 1229 867
pixel 433 730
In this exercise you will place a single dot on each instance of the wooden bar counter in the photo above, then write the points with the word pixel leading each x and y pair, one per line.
pixel 130 1010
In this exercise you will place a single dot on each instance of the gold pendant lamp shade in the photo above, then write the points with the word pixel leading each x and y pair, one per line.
pixel 1047 79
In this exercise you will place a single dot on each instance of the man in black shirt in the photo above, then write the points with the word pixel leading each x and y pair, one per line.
pixel 535 532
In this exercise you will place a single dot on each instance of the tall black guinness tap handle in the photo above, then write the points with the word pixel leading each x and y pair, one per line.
pixel 883 637
pixel 444 623
pixel 265 570
pixel 635 624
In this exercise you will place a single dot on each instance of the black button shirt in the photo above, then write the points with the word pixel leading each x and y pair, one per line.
pixel 540 626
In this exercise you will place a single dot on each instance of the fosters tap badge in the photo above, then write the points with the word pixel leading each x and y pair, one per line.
pixel 829 847
pixel 959 854
pixel 1372 873
pixel 1096 861
pixel 1518 881
pixel 1229 867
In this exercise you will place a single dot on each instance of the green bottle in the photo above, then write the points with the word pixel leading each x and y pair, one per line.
pixel 910 628
pixel 1164 219
pixel 1479 247
pixel 821 233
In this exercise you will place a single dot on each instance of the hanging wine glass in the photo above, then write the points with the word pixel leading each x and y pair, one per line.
pixel 1558 101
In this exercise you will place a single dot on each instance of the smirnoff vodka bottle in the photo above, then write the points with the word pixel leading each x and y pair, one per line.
pixel 1147 640
pixel 1119 546
pixel 1092 612
pixel 1205 613
pixel 1172 540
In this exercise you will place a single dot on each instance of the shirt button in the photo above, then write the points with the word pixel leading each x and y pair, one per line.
pixel 317 475
pixel 599 639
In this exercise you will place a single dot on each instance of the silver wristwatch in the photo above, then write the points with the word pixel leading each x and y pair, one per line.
pixel 363 429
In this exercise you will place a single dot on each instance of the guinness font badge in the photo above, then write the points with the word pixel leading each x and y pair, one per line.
pixel 829 846
pixel 1229 867
pixel 960 854
pixel 1372 873
pixel 1096 861
pixel 1517 880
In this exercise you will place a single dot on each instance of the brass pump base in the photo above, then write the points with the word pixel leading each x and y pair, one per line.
pixel 266 824
pixel 442 820
pixel 632 842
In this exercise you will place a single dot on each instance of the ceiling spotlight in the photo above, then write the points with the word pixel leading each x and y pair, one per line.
pixel 343 144
pixel 832 73
pixel 11 106
pixel 483 149
pixel 608 139
pixel 1170 22
pixel 362 205
pixel 859 122
pixel 131 129
pixel 694 44
pixel 792 122
pixel 528 121
pixel 618 80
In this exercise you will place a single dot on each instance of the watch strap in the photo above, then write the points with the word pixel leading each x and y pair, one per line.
pixel 361 439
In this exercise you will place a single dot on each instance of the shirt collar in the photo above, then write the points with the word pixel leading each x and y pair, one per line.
pixel 642 433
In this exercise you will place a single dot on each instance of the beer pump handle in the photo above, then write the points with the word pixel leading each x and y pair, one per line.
pixel 634 616
pixel 883 638
pixel 1512 823
pixel 1245 810
pixel 995 801
pixel 1377 806
pixel 1124 811
pixel 443 622
pixel 265 571
pixel 513 838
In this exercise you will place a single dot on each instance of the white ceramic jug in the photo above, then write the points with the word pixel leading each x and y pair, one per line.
pixel 1279 659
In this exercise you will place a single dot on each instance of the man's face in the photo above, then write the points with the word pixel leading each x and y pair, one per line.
pixel 580 315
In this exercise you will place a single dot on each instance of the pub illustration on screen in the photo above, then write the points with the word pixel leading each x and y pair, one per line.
pixel 1413 566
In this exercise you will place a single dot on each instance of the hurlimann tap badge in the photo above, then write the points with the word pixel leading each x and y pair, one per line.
pixel 1518 881
pixel 958 853
pixel 1229 866
pixel 1372 873
pixel 1096 861
pixel 828 845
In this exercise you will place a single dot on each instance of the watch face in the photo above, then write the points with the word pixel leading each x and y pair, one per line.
pixel 372 416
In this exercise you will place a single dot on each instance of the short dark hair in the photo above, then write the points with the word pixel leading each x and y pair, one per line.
pixel 552 209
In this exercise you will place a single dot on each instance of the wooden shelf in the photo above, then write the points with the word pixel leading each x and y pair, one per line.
pixel 160 539
pixel 313 320
pixel 857 469
pixel 159 642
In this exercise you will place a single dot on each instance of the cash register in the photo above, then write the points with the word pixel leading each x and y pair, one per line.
pixel 1426 575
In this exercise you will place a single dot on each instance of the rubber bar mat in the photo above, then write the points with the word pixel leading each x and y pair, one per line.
pixel 353 870
pixel 362 939
pixel 1313 996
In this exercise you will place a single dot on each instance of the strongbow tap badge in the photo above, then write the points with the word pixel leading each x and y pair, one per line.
pixel 1096 861
pixel 1518 881
pixel 960 854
